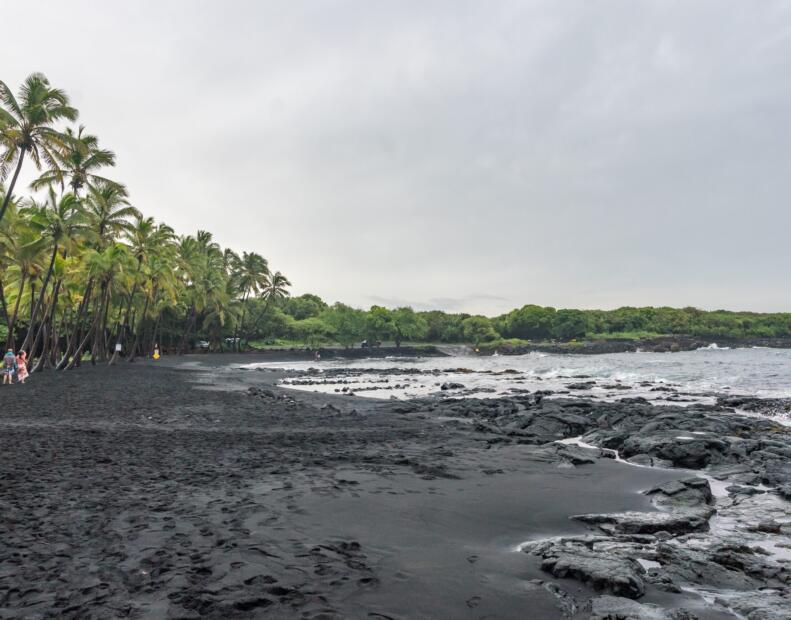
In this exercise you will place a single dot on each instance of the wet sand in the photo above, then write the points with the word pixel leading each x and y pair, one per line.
pixel 167 491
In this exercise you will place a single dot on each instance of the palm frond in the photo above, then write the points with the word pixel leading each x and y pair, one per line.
pixel 9 101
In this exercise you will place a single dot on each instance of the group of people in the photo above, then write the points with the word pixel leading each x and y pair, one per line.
pixel 14 365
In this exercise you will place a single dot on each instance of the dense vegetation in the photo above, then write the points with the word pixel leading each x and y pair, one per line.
pixel 307 319
pixel 83 272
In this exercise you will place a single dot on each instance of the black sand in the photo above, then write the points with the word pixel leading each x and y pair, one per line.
pixel 129 491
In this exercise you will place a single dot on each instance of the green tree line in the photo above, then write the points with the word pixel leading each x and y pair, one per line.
pixel 308 320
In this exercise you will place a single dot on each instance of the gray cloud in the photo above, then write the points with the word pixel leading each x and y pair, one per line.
pixel 470 154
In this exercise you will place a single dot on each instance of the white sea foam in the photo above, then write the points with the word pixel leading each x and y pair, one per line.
pixel 696 376
pixel 730 519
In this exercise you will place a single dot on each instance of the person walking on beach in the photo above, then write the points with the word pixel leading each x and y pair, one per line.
pixel 21 367
pixel 9 367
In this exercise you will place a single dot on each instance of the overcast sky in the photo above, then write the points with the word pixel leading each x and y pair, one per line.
pixel 469 156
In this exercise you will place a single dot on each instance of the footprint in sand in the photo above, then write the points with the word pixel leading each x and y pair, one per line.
pixel 473 602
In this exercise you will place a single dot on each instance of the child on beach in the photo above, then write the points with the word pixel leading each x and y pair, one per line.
pixel 21 367
pixel 9 367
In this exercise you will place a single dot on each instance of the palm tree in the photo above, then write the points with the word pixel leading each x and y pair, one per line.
pixel 23 247
pixel 61 222
pixel 46 334
pixel 109 212
pixel 275 290
pixel 102 267
pixel 147 240
pixel 252 276
pixel 93 264
pixel 26 127
pixel 119 262
pixel 75 161
pixel 202 270
pixel 86 273
pixel 82 268
pixel 7 243
pixel 163 286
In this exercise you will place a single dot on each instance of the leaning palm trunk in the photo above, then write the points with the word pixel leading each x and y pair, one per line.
pixel 124 330
pixel 103 327
pixel 10 190
pixel 240 324
pixel 45 319
pixel 97 329
pixel 42 359
pixel 78 353
pixel 260 316
pixel 91 333
pixel 187 329
pixel 10 339
pixel 32 297
pixel 45 361
pixel 92 330
pixel 125 327
pixel 55 343
pixel 237 341
pixel 39 301
pixel 117 339
pixel 139 333
pixel 3 303
pixel 77 330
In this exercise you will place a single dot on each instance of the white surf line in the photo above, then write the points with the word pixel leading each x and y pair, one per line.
pixel 577 441
pixel 717 486
pixel 782 420
pixel 518 548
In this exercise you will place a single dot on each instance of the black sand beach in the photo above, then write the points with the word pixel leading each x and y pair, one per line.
pixel 169 491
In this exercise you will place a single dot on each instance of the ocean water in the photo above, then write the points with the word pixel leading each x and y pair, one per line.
pixel 673 378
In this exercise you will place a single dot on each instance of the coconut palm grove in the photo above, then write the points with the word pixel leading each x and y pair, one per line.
pixel 84 274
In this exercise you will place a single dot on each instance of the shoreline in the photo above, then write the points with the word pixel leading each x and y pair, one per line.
pixel 175 489
pixel 663 344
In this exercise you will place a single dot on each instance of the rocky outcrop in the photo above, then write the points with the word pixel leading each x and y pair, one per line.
pixel 765 406
pixel 772 604
pixel 617 565
pixel 648 522
pixel 728 565
pixel 577 559
pixel 619 608
pixel 688 494
pixel 712 437
pixel 680 546
pixel 677 447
